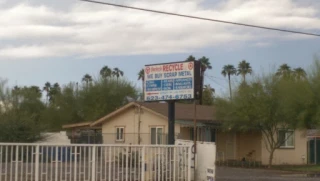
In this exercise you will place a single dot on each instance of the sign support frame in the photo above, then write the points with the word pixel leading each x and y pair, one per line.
pixel 171 122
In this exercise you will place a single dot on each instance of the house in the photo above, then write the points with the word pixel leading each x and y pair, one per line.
pixel 147 123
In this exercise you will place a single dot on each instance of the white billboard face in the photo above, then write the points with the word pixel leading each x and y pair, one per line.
pixel 173 81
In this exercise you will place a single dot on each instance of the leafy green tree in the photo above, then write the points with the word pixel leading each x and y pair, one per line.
pixel 208 95
pixel 20 114
pixel 312 112
pixel 117 73
pixel 267 105
pixel 244 68
pixel 229 70
pixel 55 90
pixel 105 72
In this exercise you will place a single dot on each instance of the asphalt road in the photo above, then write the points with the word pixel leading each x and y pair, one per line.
pixel 242 174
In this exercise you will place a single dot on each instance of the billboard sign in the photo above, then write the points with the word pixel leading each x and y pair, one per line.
pixel 171 81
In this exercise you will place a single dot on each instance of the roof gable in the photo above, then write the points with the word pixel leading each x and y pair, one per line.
pixel 121 110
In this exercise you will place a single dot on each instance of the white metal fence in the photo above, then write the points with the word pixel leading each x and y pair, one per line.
pixel 44 162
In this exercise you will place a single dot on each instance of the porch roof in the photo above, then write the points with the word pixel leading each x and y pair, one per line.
pixel 188 123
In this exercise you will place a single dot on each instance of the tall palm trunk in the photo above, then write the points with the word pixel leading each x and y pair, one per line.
pixel 230 86
pixel 142 89
pixel 201 86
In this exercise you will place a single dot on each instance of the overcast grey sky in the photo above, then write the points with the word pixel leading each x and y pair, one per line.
pixel 61 40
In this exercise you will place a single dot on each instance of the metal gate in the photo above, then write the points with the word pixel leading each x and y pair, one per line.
pixel 44 162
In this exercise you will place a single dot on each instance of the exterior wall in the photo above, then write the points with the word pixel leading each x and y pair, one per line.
pixel 129 119
pixel 184 133
pixel 235 146
pixel 293 156
pixel 249 146
pixel 225 142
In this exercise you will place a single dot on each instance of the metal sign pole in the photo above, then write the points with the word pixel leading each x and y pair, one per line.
pixel 194 138
pixel 171 120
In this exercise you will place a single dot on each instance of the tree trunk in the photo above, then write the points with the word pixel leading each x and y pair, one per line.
pixel 201 87
pixel 271 158
pixel 244 78
pixel 142 89
pixel 230 86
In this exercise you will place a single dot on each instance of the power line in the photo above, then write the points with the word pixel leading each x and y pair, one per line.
pixel 211 78
pixel 201 18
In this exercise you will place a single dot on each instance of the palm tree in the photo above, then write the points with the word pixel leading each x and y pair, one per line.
pixel 299 73
pixel 105 72
pixel 190 58
pixel 244 68
pixel 205 64
pixel 284 70
pixel 141 77
pixel 117 73
pixel 229 70
pixel 87 79
pixel 47 88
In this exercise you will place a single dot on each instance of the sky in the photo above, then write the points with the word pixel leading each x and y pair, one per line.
pixel 61 40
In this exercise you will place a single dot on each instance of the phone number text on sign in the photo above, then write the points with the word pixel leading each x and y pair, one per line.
pixel 169 97
pixel 169 82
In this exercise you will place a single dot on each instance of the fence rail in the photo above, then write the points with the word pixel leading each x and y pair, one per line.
pixel 45 162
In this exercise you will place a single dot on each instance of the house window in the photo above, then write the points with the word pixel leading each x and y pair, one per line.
pixel 120 134
pixel 157 135
pixel 286 139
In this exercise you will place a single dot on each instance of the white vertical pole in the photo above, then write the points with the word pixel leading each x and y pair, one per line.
pixel 56 174
pixel 1 156
pixel 93 176
pixel 110 160
pixel 174 162
pixel 143 164
pixel 17 162
pixel 127 162
pixel 75 163
pixel 37 163
pixel 189 164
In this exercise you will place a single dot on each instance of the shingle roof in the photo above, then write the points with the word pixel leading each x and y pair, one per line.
pixel 183 111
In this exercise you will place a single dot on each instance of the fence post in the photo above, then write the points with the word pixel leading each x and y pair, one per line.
pixel 189 163
pixel 143 165
pixel 37 154
pixel 93 162
pixel 75 163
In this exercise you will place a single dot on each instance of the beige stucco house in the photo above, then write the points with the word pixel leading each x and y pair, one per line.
pixel 146 123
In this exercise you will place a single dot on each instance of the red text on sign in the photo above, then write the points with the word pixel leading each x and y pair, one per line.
pixel 172 67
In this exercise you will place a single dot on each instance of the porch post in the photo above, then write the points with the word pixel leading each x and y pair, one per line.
pixel 171 119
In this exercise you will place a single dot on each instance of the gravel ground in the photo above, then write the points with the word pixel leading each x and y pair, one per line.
pixel 242 174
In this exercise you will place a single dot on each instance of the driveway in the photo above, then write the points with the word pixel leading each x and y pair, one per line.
pixel 242 174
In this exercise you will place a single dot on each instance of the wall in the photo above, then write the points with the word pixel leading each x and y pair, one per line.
pixel 289 155
pixel 205 158
pixel 129 119
pixel 184 133
pixel 247 143
pixel 226 142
